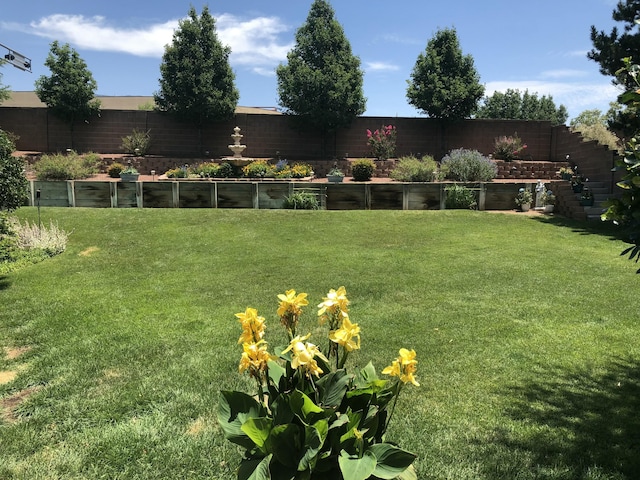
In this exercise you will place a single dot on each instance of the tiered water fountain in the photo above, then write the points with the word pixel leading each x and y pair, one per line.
pixel 238 160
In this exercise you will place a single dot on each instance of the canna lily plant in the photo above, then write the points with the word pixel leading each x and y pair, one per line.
pixel 310 419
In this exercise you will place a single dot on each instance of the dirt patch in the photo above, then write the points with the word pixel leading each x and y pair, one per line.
pixel 11 353
pixel 7 376
pixel 89 251
pixel 196 427
pixel 9 405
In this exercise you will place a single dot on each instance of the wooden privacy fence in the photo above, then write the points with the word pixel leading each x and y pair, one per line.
pixel 263 195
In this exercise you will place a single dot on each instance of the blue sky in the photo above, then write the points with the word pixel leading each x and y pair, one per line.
pixel 540 46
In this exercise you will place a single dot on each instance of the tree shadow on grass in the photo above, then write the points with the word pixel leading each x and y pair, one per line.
pixel 574 424
pixel 593 227
pixel 4 282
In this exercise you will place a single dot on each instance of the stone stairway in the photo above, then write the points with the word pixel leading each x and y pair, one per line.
pixel 568 202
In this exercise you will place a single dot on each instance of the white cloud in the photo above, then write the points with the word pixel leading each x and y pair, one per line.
pixel 254 42
pixel 381 67
pixel 563 73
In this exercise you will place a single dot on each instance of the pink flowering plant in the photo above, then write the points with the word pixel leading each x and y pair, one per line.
pixel 508 148
pixel 382 142
pixel 310 419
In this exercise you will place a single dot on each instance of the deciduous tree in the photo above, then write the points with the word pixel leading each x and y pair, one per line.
pixel 516 105
pixel 444 83
pixel 321 84
pixel 5 93
pixel 69 91
pixel 197 83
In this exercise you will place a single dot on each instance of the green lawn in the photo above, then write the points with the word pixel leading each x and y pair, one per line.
pixel 525 329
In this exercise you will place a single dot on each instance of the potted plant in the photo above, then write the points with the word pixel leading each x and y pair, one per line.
pixel 335 175
pixel 577 181
pixel 523 199
pixel 548 201
pixel 565 173
pixel 129 174
pixel 586 198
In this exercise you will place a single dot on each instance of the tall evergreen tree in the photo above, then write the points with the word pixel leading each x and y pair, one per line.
pixel 516 105
pixel 197 83
pixel 609 50
pixel 321 84
pixel 69 91
pixel 13 182
pixel 444 83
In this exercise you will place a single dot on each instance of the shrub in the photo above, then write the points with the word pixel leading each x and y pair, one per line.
pixel 302 201
pixel 460 197
pixel 601 134
pixel 176 173
pixel 508 148
pixel 13 183
pixel 362 170
pixel 301 170
pixel 412 169
pixel 31 236
pixel 114 169
pixel 226 170
pixel 137 143
pixel 66 167
pixel 206 170
pixel 382 142
pixel 462 165
pixel 258 169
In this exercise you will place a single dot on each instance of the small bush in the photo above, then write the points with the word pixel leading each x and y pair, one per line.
pixel 412 169
pixel 114 170
pixel 258 169
pixel 508 148
pixel 460 197
pixel 600 134
pixel 137 143
pixel 382 142
pixel 66 167
pixel 362 170
pixel 32 236
pixel 13 182
pixel 302 201
pixel 464 165
pixel 206 170
pixel 301 170
pixel 177 173
pixel 226 170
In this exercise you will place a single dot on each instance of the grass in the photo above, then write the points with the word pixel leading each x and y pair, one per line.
pixel 524 327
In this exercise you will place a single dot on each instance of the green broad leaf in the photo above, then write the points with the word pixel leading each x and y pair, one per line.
pixel 371 422
pixel 333 387
pixel 258 430
pixel 287 443
pixel 234 409
pixel 313 442
pixel 255 469
pixel 408 474
pixel 355 468
pixel 391 461
pixel 276 372
pixel 281 411
pixel 304 407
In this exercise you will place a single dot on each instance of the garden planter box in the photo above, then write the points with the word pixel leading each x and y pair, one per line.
pixel 263 195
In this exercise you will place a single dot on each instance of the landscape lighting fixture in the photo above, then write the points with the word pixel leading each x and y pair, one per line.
pixel 17 59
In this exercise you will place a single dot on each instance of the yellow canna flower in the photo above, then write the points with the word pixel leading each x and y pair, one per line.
pixel 346 334
pixel 303 355
pixel 404 367
pixel 290 308
pixel 335 303
pixel 254 358
pixel 252 326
